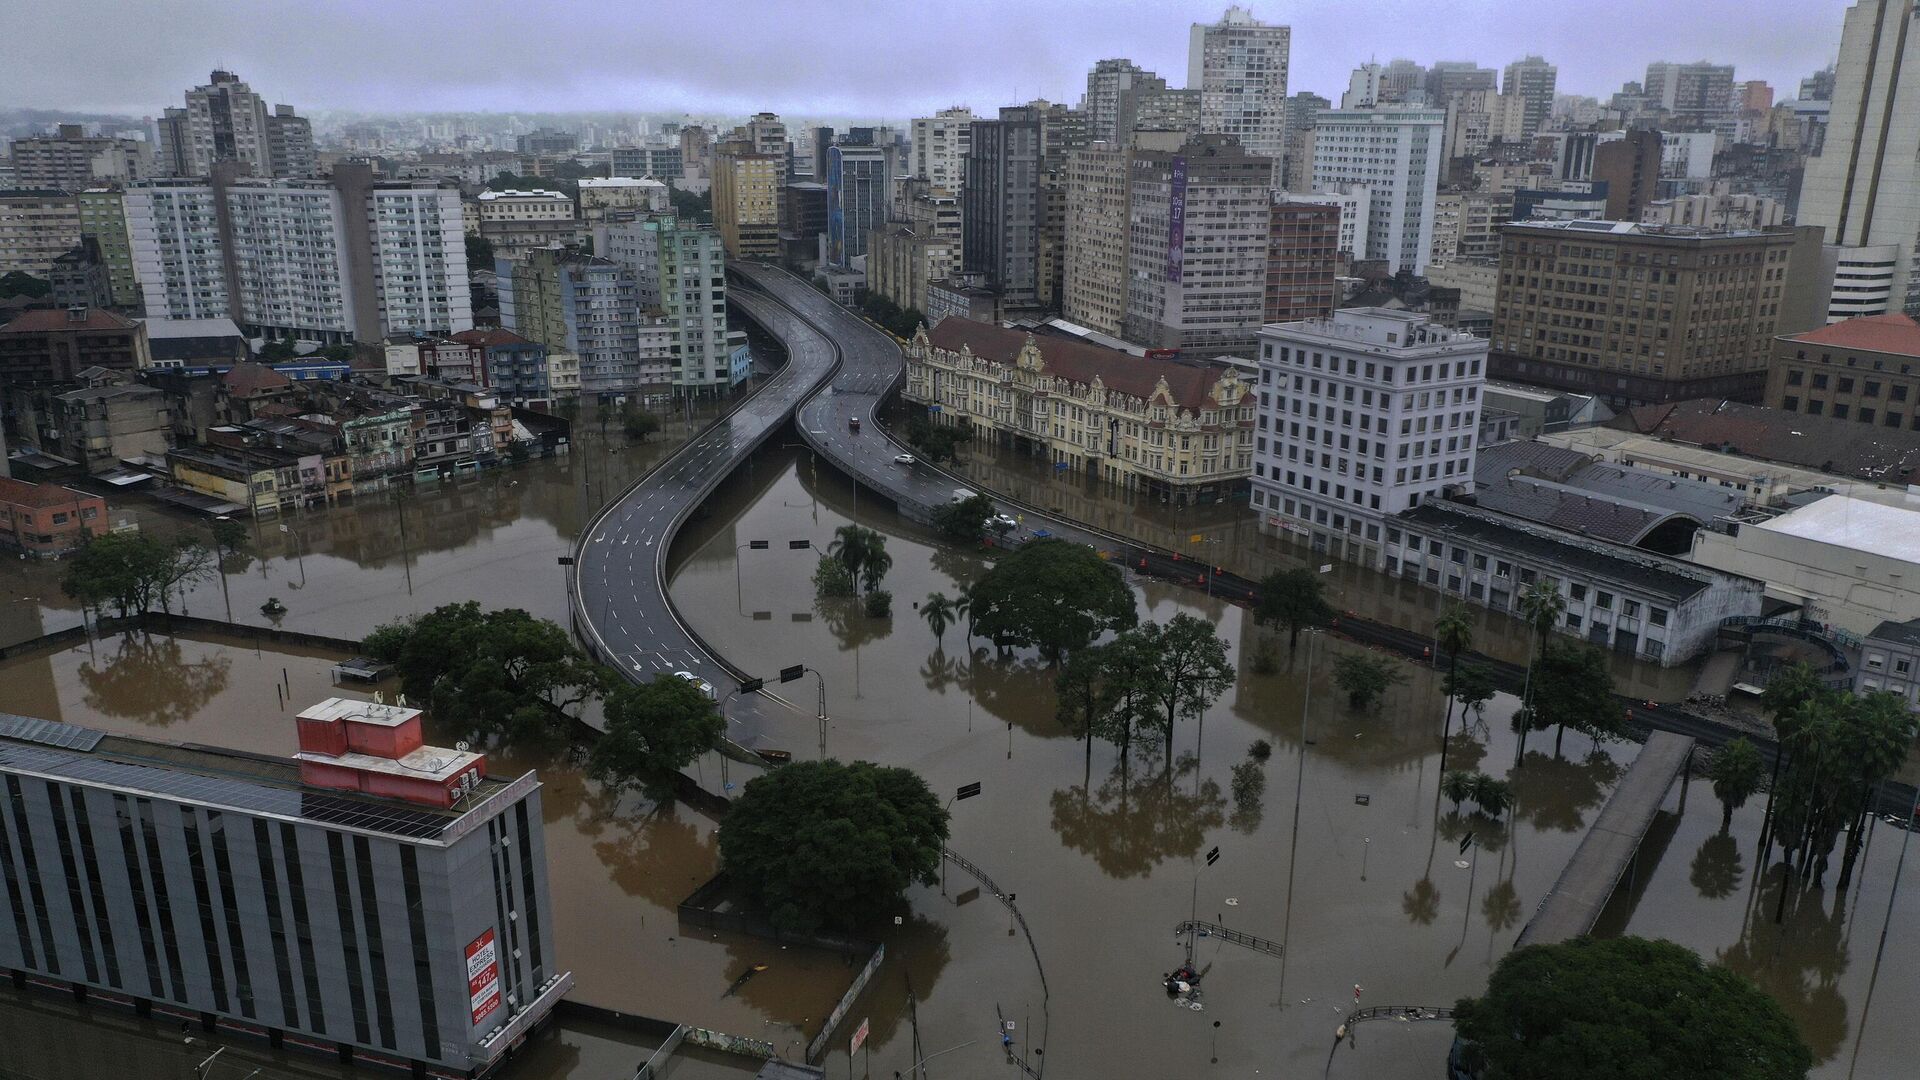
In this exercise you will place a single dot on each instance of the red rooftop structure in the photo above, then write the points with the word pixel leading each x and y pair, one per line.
pixel 377 749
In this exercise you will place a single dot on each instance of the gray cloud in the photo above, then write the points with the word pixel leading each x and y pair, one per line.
pixel 810 58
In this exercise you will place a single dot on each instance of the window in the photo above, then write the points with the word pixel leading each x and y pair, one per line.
pixel 1573 621
pixel 1603 600
pixel 1657 616
pixel 1578 592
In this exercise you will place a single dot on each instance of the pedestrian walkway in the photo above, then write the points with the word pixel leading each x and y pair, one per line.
pixel 1571 907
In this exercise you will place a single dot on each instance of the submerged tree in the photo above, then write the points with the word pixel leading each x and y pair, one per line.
pixel 1294 599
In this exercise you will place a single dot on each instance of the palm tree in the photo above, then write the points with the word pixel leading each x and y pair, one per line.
pixel 874 569
pixel 963 607
pixel 938 611
pixel 850 546
pixel 1735 773
pixel 1789 688
pixel 1542 606
pixel 1457 786
pixel 1491 796
pixel 1453 632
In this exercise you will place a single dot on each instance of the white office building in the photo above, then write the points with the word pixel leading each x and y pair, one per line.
pixel 940 145
pixel 1396 152
pixel 1362 415
pixel 1863 186
pixel 1239 65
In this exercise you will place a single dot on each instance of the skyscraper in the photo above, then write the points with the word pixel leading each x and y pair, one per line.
pixel 289 143
pixel 227 121
pixel 940 146
pixel 859 187
pixel 1239 65
pixel 1395 151
pixel 1529 86
pixel 1197 258
pixel 680 270
pixel 1863 187
pixel 1002 206
pixel 1123 97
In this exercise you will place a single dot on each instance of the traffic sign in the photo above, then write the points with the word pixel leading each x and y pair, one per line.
pixel 967 791
pixel 788 674
pixel 1213 856
pixel 859 1036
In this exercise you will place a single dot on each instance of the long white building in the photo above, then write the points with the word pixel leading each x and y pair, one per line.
pixel 1239 65
pixel 1395 151
pixel 1362 415
pixel 337 261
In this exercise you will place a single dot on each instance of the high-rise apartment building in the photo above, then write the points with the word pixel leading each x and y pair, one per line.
pixel 372 896
pixel 1449 77
pixel 290 143
pixel 173 141
pixel 1097 237
pixel 227 121
pixel 103 216
pixel 680 270
pixel 1363 415
pixel 1303 112
pixel 588 306
pixel 1698 96
pixel 1303 257
pixel 1647 313
pixel 1200 217
pixel 341 260
pixel 657 161
pixel 746 200
pixel 1529 87
pixel 1122 97
pixel 940 146
pixel 1863 187
pixel 1395 151
pixel 859 188
pixel 517 221
pixel 36 227
pixel 70 160
pixel 765 133
pixel 1239 65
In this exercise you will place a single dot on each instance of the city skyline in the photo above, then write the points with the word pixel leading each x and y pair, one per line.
pixel 355 56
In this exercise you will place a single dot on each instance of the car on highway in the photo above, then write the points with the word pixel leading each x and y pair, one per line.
pixel 705 686
pixel 853 424
pixel 961 494
pixel 1002 523
pixel 903 459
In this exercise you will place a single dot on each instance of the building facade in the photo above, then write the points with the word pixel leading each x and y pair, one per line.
pixel 1303 257
pixel 588 307
pixel 940 144
pixel 902 265
pixel 103 217
pixel 36 227
pixel 50 346
pixel 1863 185
pixel 339 260
pixel 1002 205
pixel 1240 66
pixel 516 222
pixel 1578 307
pixel 1362 416
pixel 1174 428
pixel 859 193
pixel 1866 370
pixel 44 520
pixel 68 159
pixel 746 201
pixel 1093 286
pixel 226 121
pixel 335 901
pixel 1199 220
pixel 1395 152
pixel 680 271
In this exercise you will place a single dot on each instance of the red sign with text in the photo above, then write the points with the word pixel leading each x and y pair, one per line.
pixel 483 977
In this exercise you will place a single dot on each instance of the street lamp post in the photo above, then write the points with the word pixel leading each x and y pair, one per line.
pixel 224 594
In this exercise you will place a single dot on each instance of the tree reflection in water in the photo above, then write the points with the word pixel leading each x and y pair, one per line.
pixel 148 680
pixel 1555 793
pixel 1422 902
pixel 1717 866
pixel 1132 823
pixel 1798 961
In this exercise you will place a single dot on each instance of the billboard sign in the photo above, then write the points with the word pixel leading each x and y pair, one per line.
pixel 1177 221
pixel 483 977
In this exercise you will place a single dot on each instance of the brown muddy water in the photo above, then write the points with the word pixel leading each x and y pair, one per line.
pixel 1103 861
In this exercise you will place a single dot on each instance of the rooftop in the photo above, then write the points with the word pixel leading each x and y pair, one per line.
pixel 531 193
pixel 1898 633
pixel 1856 524
pixel 52 320
pixel 1191 384
pixel 164 329
pixel 1896 333
pixel 1636 228
pixel 213 776
pixel 21 493
pixel 1652 574
pixel 1845 447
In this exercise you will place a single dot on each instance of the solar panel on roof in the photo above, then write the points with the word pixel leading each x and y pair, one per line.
pixel 48 732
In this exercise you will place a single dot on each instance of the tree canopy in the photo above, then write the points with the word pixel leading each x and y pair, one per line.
pixel 1625 1009
pixel 938 442
pixel 829 844
pixel 1736 773
pixel 964 520
pixel 1292 599
pixel 1053 595
pixel 1363 677
pixel 134 572
pixel 1185 670
pixel 500 675
pixel 653 731
pixel 1573 688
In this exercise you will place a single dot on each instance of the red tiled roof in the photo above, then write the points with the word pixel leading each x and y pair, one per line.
pixel 44 320
pixel 1872 333
pixel 489 336
pixel 21 493
pixel 246 380
pixel 1190 384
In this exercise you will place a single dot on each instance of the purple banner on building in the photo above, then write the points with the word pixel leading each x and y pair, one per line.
pixel 1177 221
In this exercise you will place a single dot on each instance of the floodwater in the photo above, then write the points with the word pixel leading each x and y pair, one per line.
pixel 1363 885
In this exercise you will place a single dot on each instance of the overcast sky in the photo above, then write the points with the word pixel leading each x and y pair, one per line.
pixel 871 58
